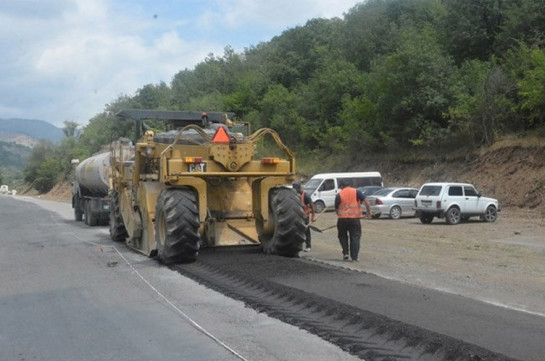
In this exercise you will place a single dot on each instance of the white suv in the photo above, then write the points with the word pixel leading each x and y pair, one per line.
pixel 455 202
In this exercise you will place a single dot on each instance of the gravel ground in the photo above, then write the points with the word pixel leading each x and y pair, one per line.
pixel 500 263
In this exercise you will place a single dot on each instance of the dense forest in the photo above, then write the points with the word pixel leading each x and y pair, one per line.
pixel 390 77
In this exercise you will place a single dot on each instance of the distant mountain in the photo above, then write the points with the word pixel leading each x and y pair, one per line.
pixel 35 129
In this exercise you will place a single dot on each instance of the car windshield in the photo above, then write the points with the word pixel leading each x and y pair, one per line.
pixel 311 185
pixel 383 192
pixel 430 190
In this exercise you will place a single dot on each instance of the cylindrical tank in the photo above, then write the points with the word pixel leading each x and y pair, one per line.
pixel 92 174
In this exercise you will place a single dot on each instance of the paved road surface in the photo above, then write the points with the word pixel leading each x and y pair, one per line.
pixel 68 293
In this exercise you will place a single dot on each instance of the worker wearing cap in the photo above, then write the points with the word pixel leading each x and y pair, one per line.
pixel 308 207
pixel 348 207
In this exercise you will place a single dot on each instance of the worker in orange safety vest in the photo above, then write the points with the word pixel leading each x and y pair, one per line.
pixel 348 207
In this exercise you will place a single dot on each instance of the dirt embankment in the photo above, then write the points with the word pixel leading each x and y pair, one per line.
pixel 62 192
pixel 515 175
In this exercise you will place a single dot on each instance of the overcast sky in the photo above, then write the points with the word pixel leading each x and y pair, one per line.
pixel 65 59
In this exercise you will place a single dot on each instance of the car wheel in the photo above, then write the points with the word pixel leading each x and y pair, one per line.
pixel 426 219
pixel 395 212
pixel 490 214
pixel 319 206
pixel 453 216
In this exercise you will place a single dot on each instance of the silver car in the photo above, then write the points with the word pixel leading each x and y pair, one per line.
pixel 394 202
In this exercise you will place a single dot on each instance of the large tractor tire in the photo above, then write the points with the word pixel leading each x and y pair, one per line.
pixel 177 226
pixel 286 211
pixel 118 232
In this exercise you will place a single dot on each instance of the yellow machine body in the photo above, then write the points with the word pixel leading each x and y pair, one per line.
pixel 211 178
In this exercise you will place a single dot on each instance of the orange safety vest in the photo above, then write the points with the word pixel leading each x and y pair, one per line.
pixel 350 206
pixel 306 207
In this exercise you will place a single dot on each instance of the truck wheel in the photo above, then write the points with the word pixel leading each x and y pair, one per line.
pixel 76 204
pixel 86 212
pixel 91 219
pixel 453 216
pixel 287 214
pixel 177 226
pixel 118 232
pixel 78 214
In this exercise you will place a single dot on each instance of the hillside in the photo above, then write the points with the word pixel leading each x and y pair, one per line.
pixel 12 162
pixel 17 138
pixel 27 131
pixel 13 154
pixel 514 175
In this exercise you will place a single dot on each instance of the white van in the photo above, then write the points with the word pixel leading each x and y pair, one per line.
pixel 323 187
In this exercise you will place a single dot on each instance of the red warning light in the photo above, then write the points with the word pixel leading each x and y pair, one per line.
pixel 221 136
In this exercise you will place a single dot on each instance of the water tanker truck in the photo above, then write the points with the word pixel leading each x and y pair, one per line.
pixel 90 189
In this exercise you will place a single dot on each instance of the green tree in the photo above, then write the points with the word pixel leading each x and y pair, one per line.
pixel 106 127
pixel 334 79
pixel 47 175
pixel 154 97
pixel 39 154
pixel 250 88
pixel 481 107
pixel 293 57
pixel 412 88
pixel 359 126
pixel 213 75
pixel 371 27
pixel 70 128
pixel 278 112
pixel 523 23
pixel 367 33
pixel 69 148
pixel 470 28
pixel 532 88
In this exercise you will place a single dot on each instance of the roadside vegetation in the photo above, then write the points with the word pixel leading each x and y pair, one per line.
pixel 406 80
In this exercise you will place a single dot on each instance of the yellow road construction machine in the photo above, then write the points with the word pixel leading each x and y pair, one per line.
pixel 199 184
